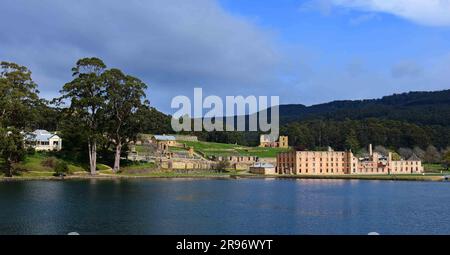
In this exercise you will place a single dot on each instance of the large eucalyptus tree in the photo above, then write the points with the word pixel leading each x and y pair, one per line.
pixel 125 95
pixel 18 100
pixel 87 95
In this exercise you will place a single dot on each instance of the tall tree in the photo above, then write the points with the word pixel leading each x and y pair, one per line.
pixel 405 153
pixel 125 95
pixel 446 158
pixel 382 150
pixel 432 155
pixel 351 142
pixel 12 148
pixel 86 93
pixel 18 95
pixel 18 98
pixel 419 152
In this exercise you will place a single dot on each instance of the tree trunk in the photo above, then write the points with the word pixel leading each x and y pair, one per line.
pixel 117 157
pixel 92 157
pixel 8 168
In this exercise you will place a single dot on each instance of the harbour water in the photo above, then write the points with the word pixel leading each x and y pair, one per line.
pixel 213 206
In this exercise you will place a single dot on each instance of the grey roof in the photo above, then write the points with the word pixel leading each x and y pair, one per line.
pixel 40 135
pixel 270 138
pixel 261 164
pixel 414 157
pixel 41 132
pixel 165 137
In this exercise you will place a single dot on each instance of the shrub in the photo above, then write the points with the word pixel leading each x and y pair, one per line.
pixel 222 165
pixel 61 167
pixel 49 162
pixel 31 151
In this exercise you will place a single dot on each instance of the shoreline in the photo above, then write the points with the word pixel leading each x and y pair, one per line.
pixel 433 178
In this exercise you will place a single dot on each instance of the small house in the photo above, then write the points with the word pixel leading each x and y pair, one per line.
pixel 42 140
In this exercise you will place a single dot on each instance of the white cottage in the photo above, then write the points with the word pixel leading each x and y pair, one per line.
pixel 42 140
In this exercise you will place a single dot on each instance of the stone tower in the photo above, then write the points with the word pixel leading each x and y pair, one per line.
pixel 283 142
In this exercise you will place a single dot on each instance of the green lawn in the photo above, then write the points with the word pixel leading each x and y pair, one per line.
pixel 178 149
pixel 137 166
pixel 434 168
pixel 103 167
pixel 33 163
pixel 142 149
pixel 222 149
pixel 36 174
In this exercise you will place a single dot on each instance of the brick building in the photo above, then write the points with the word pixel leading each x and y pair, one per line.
pixel 343 162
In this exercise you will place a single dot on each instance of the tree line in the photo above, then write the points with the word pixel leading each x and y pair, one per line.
pixel 100 110
pixel 421 108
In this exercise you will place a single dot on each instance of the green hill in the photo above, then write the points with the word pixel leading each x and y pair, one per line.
pixel 221 149
pixel 419 107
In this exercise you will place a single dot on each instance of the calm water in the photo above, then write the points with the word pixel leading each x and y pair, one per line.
pixel 193 206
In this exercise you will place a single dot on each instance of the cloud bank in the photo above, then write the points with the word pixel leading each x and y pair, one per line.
pixel 172 45
pixel 176 45
pixel 426 12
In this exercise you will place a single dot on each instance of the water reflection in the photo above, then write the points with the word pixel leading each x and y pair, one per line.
pixel 205 206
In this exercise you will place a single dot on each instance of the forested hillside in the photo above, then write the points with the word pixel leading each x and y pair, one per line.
pixel 425 108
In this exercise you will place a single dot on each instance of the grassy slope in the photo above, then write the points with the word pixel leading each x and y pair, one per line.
pixel 33 165
pixel 138 166
pixel 434 168
pixel 222 149
pixel 141 149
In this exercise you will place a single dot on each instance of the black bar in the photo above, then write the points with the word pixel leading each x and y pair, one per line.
pixel 227 244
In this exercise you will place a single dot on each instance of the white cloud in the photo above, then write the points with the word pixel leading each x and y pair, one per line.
pixel 427 12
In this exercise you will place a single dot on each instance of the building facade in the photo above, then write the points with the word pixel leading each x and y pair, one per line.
pixel 262 168
pixel 269 141
pixel 238 162
pixel 343 162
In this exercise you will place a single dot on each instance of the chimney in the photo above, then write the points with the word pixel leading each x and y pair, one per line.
pixel 370 150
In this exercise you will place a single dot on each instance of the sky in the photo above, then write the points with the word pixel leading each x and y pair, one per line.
pixel 305 52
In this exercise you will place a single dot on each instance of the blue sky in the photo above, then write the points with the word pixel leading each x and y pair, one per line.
pixel 306 52
pixel 364 52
